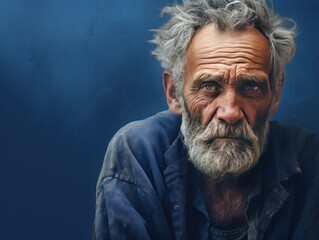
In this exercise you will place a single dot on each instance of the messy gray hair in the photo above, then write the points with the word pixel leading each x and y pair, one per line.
pixel 189 17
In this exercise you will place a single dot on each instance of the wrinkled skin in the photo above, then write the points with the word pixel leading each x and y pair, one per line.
pixel 226 77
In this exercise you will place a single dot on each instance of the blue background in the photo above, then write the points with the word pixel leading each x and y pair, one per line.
pixel 72 72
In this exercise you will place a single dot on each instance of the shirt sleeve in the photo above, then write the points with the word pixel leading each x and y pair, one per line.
pixel 118 211
pixel 130 190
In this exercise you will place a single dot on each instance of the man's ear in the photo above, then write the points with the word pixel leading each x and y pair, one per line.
pixel 170 92
pixel 276 101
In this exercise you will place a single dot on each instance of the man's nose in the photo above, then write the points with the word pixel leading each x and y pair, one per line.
pixel 229 109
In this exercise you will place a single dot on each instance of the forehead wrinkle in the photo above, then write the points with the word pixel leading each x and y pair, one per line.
pixel 250 51
pixel 222 52
pixel 243 47
pixel 234 53
pixel 226 61
pixel 249 38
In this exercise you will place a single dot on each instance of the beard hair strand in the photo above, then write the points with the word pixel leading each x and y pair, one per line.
pixel 223 158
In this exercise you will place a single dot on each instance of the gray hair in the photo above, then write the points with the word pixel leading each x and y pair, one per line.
pixel 189 17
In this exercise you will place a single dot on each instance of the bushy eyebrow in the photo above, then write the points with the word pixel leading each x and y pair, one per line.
pixel 253 78
pixel 205 77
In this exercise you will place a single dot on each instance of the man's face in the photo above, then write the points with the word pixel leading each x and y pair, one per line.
pixel 226 99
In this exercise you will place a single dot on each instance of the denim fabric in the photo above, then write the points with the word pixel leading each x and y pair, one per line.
pixel 234 234
pixel 143 191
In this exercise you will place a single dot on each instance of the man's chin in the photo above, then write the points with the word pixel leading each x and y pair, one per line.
pixel 234 140
pixel 228 158
pixel 227 139
pixel 226 174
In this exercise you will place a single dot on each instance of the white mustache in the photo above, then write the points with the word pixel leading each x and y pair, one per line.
pixel 216 129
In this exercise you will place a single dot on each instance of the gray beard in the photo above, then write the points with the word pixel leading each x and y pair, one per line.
pixel 223 158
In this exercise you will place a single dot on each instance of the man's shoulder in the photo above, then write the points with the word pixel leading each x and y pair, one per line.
pixel 164 125
pixel 139 148
pixel 291 134
pixel 295 146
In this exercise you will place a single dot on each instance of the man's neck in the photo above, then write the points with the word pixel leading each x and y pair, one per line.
pixel 226 200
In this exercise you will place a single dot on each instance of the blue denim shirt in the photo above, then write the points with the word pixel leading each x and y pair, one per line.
pixel 143 191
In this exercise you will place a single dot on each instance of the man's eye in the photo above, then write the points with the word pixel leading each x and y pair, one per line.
pixel 250 86
pixel 210 86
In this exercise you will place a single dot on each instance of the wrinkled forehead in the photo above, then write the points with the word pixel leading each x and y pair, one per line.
pixel 229 47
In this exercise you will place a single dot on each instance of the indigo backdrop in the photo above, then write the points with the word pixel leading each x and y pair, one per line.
pixel 72 72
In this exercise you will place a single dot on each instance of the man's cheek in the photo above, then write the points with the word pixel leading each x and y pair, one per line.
pixel 202 114
pixel 194 112
pixel 261 119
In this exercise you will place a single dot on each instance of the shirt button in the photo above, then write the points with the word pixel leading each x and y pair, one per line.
pixel 176 206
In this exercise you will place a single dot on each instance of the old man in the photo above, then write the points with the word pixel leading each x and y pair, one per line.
pixel 214 166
